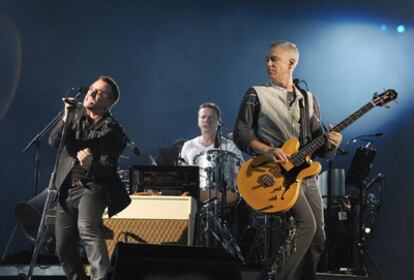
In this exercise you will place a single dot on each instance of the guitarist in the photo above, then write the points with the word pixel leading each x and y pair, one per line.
pixel 270 115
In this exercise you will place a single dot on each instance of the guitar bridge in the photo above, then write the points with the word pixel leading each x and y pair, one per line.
pixel 267 180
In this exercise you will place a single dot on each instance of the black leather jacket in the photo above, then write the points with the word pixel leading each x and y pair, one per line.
pixel 107 140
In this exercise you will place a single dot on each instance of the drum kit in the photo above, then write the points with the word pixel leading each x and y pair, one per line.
pixel 224 218
pixel 219 198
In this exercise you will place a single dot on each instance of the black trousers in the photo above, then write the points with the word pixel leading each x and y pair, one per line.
pixel 79 216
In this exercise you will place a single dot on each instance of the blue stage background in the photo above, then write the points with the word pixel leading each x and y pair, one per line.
pixel 170 56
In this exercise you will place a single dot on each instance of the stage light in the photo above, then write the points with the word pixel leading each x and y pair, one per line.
pixel 367 230
pixel 400 28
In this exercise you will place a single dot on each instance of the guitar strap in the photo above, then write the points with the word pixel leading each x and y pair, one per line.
pixel 305 131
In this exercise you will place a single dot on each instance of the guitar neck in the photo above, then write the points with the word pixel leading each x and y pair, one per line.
pixel 318 142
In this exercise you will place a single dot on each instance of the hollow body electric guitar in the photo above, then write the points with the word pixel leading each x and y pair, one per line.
pixel 270 187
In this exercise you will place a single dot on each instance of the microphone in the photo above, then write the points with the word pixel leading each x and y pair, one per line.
pixel 217 141
pixel 70 100
pixel 379 177
pixel 379 134
pixel 361 137
pixel 134 147
pixel 79 92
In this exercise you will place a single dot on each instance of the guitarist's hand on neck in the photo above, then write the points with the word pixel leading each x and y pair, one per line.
pixel 334 138
pixel 277 154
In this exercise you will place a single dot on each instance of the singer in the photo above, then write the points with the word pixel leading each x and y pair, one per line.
pixel 86 178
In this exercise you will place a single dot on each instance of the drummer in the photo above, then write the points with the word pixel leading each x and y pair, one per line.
pixel 209 122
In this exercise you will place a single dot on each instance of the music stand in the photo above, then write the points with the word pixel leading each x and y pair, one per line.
pixel 361 165
pixel 357 175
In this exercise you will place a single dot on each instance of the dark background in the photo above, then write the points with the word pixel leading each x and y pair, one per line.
pixel 170 56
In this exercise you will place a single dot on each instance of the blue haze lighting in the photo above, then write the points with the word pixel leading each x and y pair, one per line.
pixel 400 28
pixel 383 27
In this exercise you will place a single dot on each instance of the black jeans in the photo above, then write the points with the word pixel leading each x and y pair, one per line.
pixel 79 216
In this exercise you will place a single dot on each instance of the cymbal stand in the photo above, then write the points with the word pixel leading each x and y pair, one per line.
pixel 214 177
pixel 222 232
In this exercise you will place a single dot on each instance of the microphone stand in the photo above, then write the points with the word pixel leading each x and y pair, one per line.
pixel 36 142
pixel 362 138
pixel 220 171
pixel 51 194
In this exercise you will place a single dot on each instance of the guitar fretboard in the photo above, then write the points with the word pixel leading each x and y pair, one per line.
pixel 298 158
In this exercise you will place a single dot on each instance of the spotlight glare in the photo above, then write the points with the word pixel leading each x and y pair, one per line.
pixel 367 230
pixel 400 28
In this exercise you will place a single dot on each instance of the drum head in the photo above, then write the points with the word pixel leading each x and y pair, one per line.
pixel 218 171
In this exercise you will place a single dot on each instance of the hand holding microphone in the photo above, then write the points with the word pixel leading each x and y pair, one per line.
pixel 70 102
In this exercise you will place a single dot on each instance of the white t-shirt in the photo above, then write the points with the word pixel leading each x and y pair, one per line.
pixel 194 153
pixel 192 148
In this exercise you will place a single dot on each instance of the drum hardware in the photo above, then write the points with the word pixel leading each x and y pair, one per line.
pixel 218 171
pixel 267 240
pixel 215 232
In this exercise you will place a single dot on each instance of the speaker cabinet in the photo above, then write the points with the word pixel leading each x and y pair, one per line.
pixel 162 262
pixel 153 220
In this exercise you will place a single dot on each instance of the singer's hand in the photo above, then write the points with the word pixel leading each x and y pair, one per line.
pixel 70 102
pixel 85 158
pixel 334 138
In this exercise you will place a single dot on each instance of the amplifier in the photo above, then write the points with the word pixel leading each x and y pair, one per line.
pixel 154 220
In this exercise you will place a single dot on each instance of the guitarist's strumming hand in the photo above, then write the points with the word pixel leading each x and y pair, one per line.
pixel 278 155
pixel 334 138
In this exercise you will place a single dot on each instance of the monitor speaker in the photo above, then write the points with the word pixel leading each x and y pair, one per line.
pixel 159 262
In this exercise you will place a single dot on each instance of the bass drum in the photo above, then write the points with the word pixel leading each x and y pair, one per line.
pixel 218 170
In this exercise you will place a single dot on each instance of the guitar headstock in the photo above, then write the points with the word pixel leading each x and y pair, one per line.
pixel 383 98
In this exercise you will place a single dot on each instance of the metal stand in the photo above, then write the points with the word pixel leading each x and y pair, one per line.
pixel 268 256
pixel 216 232
pixel 8 244
pixel 36 142
pixel 51 194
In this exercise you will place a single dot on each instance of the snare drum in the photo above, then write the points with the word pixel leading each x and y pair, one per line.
pixel 219 169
